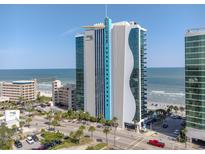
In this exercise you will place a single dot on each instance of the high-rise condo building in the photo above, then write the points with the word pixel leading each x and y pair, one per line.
pixel 114 71
pixel 195 83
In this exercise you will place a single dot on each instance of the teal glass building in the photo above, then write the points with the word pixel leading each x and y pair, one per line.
pixel 195 83
pixel 79 39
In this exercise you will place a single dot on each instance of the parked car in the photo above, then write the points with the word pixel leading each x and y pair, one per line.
pixel 51 129
pixel 176 132
pixel 18 144
pixel 35 138
pixel 29 140
pixel 66 137
pixel 47 145
pixel 156 143
pixel 179 117
pixel 99 140
pixel 183 124
pixel 165 125
pixel 39 148
pixel 99 126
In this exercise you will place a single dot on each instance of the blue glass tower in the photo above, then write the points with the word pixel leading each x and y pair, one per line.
pixel 107 68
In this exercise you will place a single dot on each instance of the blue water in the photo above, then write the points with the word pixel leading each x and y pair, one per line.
pixel 164 85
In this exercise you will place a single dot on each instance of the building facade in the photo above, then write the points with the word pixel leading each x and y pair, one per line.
pixel 79 39
pixel 64 95
pixel 114 71
pixel 128 73
pixel 195 83
pixel 19 90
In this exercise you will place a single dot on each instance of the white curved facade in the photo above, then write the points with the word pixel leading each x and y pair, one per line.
pixel 124 104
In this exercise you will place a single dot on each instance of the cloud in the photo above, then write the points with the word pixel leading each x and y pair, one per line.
pixel 70 31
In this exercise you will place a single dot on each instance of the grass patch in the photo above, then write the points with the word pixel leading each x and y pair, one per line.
pixel 97 146
pixel 64 145
pixel 85 140
pixel 68 144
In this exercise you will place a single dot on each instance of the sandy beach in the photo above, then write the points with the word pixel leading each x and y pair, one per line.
pixel 159 105
pixel 45 93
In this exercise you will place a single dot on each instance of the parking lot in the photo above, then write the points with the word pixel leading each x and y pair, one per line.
pixel 27 146
pixel 173 124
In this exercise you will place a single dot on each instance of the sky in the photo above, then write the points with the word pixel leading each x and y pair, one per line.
pixel 43 36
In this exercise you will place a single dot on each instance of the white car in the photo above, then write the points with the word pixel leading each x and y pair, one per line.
pixel 176 132
pixel 29 140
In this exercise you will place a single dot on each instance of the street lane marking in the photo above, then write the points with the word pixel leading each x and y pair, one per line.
pixel 130 146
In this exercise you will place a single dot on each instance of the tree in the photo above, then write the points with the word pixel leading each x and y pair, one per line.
pixel 115 125
pixel 176 109
pixel 76 136
pixel 28 121
pixel 58 116
pixel 14 128
pixel 106 131
pixel 150 113
pixel 93 119
pixel 54 123
pixel 82 127
pixel 21 124
pixel 87 116
pixel 79 133
pixel 135 125
pixel 91 130
pixel 183 137
pixel 181 108
pixel 101 118
pixel 170 108
pixel 5 137
pixel 49 116
pixel 38 99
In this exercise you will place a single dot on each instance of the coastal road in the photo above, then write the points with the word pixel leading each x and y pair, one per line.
pixel 125 139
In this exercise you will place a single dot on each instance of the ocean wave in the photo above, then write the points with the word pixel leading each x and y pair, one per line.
pixel 45 85
pixel 167 93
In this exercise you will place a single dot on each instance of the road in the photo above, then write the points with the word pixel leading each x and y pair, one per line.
pixel 124 139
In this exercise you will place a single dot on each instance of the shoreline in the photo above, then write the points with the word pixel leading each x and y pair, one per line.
pixel 45 93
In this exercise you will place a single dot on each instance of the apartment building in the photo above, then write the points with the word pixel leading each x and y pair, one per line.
pixel 24 90
pixel 64 95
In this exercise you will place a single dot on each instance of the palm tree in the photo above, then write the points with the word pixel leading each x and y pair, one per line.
pixel 49 116
pixel 78 134
pixel 82 127
pixel 54 123
pixel 176 109
pixel 91 130
pixel 135 124
pixel 28 121
pixel 21 124
pixel 106 131
pixel 14 128
pixel 115 125
pixel 184 132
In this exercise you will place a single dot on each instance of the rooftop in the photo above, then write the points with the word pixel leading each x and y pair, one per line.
pixel 195 31
pixel 23 82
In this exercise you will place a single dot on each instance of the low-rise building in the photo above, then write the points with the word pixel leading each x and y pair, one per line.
pixel 4 99
pixel 10 118
pixel 63 95
pixel 26 90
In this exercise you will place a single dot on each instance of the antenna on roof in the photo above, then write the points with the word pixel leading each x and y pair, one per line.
pixel 105 10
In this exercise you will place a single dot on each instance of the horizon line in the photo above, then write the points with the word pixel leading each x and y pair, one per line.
pixel 73 68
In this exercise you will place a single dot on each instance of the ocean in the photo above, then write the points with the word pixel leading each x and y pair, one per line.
pixel 164 85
